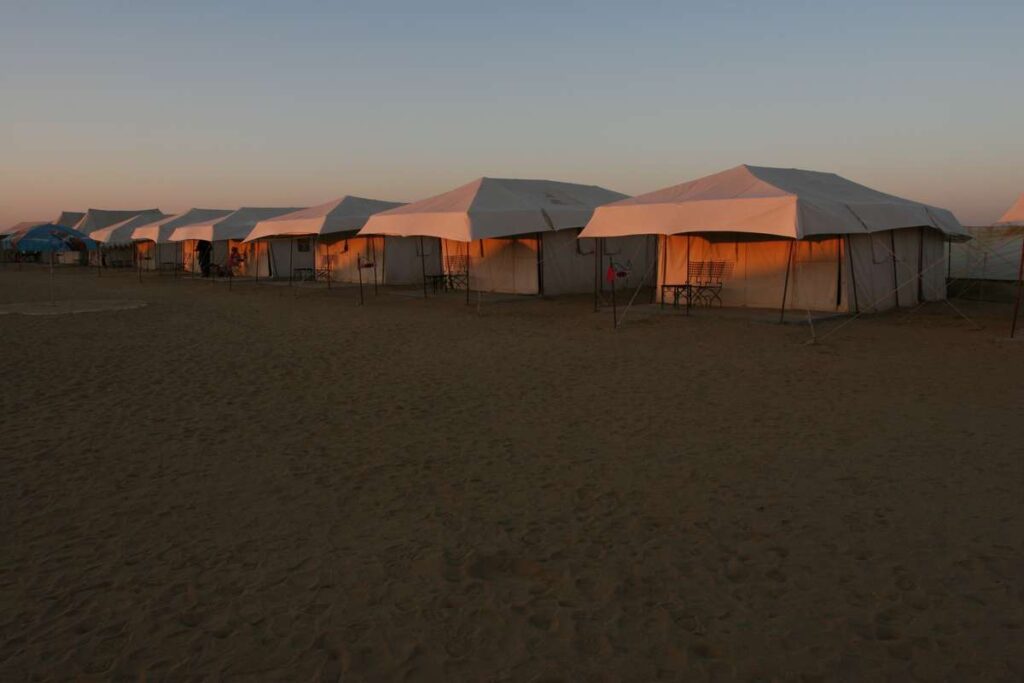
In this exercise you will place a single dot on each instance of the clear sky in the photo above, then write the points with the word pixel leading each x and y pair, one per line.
pixel 173 104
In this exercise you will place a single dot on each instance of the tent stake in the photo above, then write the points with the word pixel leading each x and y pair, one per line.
pixel 1020 282
pixel 785 285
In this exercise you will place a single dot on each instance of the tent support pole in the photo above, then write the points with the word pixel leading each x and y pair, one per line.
pixel 540 264
pixel 689 293
pixel 359 274
pixel 785 285
pixel 469 246
pixel 423 267
pixel 373 255
pixel 615 308
pixel 138 260
pixel 895 275
pixel 597 276
pixel 839 272
pixel 853 276
pixel 329 264
pixel 291 269
pixel 52 301
pixel 664 268
pixel 1020 286
pixel 920 267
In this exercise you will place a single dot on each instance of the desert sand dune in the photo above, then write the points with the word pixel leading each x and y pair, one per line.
pixel 273 483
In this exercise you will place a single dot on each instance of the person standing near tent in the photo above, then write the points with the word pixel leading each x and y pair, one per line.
pixel 234 261
pixel 204 249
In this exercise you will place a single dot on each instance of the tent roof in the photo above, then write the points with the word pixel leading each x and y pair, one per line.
pixel 770 201
pixel 69 219
pixel 345 214
pixel 494 207
pixel 122 233
pixel 161 230
pixel 1015 214
pixel 101 218
pixel 235 226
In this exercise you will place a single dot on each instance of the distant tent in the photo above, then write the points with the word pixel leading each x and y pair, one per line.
pixel 338 250
pixel 69 219
pixel 221 232
pixel 120 234
pixel 790 238
pixel 154 239
pixel 515 236
pixel 96 219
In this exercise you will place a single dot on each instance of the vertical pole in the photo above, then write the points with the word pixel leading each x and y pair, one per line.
pixel 99 261
pixel 423 267
pixel 329 265
pixel 597 277
pixel 664 267
pixel 615 308
pixel 373 255
pixel 839 272
pixel 689 290
pixel 920 267
pixel 949 258
pixel 540 264
pixel 54 303
pixel 138 259
pixel 853 276
pixel 256 248
pixel 468 248
pixel 291 270
pixel 359 274
pixel 1020 286
pixel 195 248
pixel 895 275
pixel 785 285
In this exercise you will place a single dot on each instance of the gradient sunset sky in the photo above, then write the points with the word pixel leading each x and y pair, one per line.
pixel 220 104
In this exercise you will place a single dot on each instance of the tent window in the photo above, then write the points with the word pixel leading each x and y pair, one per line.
pixel 302 244
pixel 585 246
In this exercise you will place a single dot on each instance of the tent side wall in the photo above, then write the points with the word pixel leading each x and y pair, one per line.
pixel 755 271
pixel 156 255
pixel 401 262
pixel 505 265
pixel 342 258
pixel 637 254
pixel 824 271
pixel 286 255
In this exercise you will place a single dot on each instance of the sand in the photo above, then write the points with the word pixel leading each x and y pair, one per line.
pixel 273 483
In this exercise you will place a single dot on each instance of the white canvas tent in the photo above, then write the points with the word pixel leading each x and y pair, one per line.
pixel 94 220
pixel 793 239
pixel 154 239
pixel 518 236
pixel 69 219
pixel 336 249
pixel 995 252
pixel 116 239
pixel 221 232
